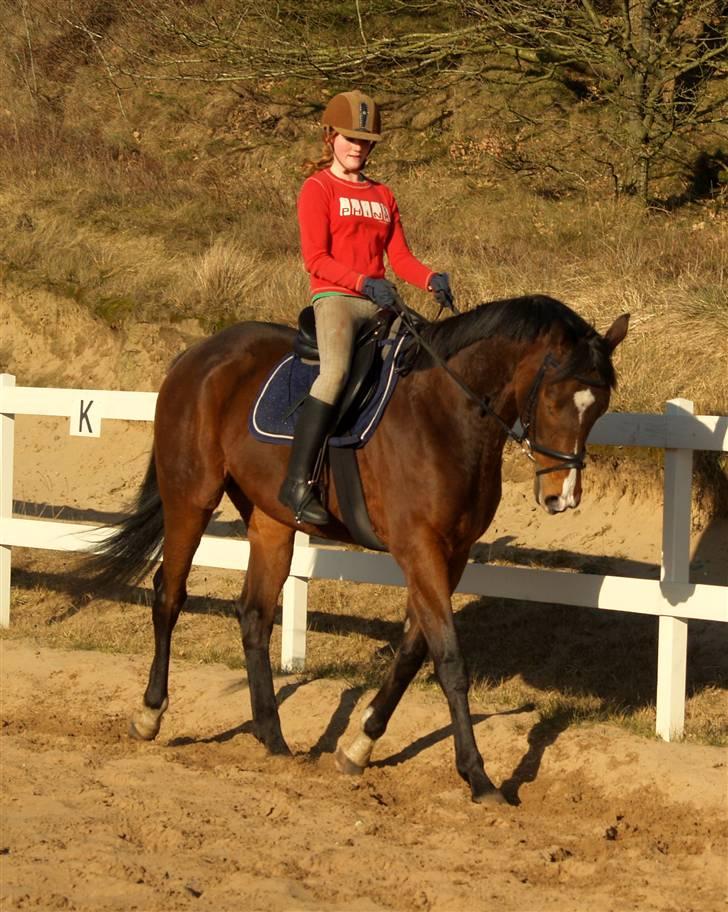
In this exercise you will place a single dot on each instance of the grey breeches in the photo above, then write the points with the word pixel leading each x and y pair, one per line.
pixel 338 319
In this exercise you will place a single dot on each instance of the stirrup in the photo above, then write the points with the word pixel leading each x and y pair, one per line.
pixel 299 501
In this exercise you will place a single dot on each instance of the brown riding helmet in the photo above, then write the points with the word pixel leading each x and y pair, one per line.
pixel 354 115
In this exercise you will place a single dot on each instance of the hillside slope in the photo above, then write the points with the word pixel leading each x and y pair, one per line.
pixel 137 214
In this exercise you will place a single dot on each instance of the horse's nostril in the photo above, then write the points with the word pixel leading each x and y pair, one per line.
pixel 553 504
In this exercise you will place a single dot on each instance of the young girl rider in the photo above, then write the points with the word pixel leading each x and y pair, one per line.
pixel 347 223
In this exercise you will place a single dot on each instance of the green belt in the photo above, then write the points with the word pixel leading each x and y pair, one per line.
pixel 335 294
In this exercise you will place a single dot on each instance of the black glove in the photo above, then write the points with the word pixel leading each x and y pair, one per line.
pixel 382 292
pixel 440 287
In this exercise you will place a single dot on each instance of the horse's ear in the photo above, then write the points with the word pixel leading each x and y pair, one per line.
pixel 616 332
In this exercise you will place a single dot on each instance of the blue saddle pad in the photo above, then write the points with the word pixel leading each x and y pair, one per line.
pixel 276 409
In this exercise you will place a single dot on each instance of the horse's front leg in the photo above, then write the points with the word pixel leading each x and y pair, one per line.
pixel 430 585
pixel 407 662
pixel 271 549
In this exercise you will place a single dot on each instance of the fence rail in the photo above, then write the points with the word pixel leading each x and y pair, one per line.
pixel 673 598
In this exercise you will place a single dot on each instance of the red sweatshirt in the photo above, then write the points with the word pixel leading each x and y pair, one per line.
pixel 346 228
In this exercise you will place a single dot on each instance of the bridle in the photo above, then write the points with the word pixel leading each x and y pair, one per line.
pixel 526 438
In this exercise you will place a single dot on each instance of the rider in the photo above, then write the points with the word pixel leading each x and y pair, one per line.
pixel 347 222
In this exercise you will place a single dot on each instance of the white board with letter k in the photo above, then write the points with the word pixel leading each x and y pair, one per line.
pixel 86 416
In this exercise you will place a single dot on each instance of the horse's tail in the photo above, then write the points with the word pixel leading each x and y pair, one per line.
pixel 124 556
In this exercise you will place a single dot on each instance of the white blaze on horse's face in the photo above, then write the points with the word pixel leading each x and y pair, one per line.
pixel 570 495
pixel 582 400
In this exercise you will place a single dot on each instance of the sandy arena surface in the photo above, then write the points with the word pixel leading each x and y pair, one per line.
pixel 203 819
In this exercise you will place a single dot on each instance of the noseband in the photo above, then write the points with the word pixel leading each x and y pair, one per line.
pixel 526 439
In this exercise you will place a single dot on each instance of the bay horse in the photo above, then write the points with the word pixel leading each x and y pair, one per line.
pixel 431 476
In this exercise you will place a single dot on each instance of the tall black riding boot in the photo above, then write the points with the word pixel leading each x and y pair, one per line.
pixel 297 491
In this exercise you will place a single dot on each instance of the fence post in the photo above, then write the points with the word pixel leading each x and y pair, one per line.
pixel 672 643
pixel 7 449
pixel 295 609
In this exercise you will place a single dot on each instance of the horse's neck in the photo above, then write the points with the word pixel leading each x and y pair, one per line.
pixel 488 368
pixel 461 442
pixel 437 402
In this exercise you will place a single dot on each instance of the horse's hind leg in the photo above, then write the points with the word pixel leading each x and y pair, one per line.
pixel 183 530
pixel 407 662
pixel 271 549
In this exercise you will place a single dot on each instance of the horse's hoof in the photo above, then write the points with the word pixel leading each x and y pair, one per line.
pixel 492 798
pixel 144 725
pixel 279 749
pixel 345 765
pixel 137 735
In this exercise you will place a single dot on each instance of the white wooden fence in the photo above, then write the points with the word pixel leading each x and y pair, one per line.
pixel 674 599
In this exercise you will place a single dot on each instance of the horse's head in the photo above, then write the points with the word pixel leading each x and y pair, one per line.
pixel 559 399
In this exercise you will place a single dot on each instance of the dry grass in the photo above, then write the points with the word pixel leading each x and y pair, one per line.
pixel 95 228
pixel 670 272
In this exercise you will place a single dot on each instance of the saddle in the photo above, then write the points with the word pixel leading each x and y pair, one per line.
pixel 365 367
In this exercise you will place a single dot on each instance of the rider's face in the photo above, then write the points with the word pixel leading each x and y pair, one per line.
pixel 351 153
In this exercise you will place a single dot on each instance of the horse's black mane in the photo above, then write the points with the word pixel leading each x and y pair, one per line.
pixel 522 320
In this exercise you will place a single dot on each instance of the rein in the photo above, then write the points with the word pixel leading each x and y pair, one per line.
pixel 528 429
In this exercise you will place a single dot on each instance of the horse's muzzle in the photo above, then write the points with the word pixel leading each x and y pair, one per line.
pixel 554 504
pixel 567 499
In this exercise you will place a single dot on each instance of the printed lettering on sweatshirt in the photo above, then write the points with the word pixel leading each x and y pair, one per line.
pixel 367 208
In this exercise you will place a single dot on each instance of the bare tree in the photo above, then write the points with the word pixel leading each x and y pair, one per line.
pixel 655 62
